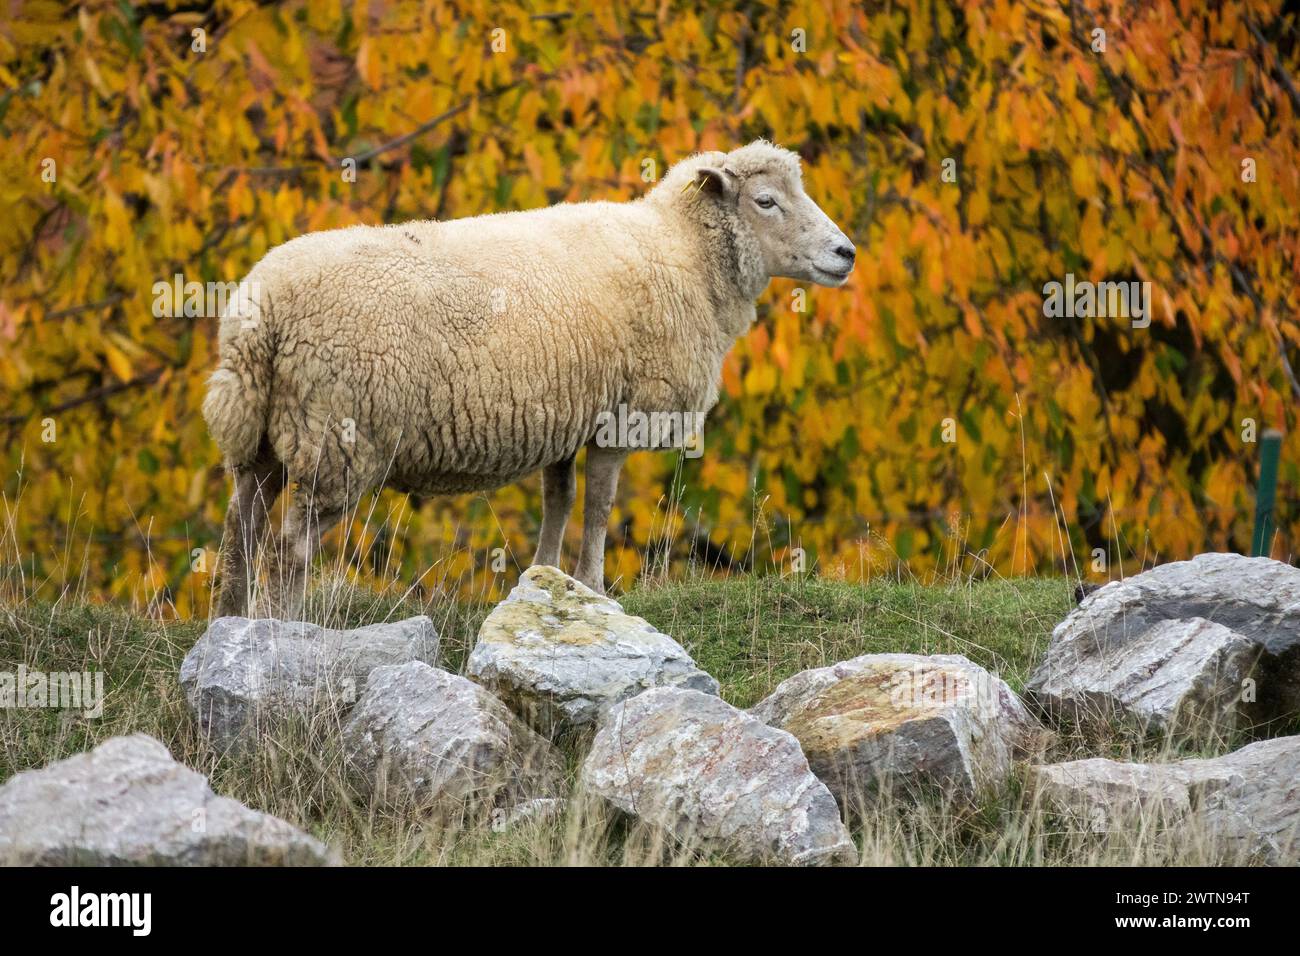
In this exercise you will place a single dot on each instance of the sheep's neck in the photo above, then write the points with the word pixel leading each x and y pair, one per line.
pixel 733 263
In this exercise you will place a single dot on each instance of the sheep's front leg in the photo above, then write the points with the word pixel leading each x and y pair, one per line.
pixel 559 491
pixel 603 466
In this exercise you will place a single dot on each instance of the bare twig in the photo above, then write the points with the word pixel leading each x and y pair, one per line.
pixel 1283 77
pixel 94 395
pixel 71 310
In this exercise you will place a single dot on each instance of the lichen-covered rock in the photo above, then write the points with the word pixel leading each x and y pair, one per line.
pixel 127 802
pixel 1120 652
pixel 716 778
pixel 244 672
pixel 1247 802
pixel 901 723
pixel 421 737
pixel 560 654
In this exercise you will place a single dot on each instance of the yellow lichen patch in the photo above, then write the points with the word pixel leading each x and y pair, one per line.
pixel 572 615
pixel 511 622
pixel 515 620
pixel 564 591
pixel 870 703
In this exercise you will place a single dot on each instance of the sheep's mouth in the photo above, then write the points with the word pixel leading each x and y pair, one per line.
pixel 835 278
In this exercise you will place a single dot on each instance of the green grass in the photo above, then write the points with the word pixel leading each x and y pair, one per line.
pixel 753 633
pixel 749 632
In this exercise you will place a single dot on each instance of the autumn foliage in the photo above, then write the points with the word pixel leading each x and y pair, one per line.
pixel 929 414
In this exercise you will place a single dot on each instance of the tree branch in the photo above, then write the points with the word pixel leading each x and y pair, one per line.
pixel 94 395
pixel 1278 69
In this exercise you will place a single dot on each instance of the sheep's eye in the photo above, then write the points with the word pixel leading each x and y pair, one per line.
pixel 765 202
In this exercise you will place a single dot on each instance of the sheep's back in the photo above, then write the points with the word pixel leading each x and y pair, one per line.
pixel 445 358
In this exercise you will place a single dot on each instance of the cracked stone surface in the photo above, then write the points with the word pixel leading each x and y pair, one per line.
pixel 1248 800
pixel 1172 648
pixel 127 802
pixel 244 673
pixel 716 778
pixel 423 737
pixel 900 723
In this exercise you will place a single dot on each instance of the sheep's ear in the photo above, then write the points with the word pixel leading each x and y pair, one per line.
pixel 717 180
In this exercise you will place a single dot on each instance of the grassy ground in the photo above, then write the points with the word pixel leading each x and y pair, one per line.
pixel 750 633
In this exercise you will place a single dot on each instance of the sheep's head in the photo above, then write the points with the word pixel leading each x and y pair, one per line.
pixel 763 185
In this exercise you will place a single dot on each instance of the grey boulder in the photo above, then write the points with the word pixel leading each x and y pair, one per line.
pixel 898 724
pixel 717 779
pixel 243 673
pixel 1192 646
pixel 1247 802
pixel 1185 675
pixel 127 802
pixel 560 654
pixel 421 737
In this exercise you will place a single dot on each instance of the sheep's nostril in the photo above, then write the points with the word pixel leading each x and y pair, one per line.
pixel 846 252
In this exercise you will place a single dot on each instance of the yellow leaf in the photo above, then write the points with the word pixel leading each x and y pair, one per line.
pixel 118 362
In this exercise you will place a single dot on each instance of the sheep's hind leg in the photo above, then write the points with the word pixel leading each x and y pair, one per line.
pixel 603 466
pixel 300 535
pixel 559 491
pixel 256 487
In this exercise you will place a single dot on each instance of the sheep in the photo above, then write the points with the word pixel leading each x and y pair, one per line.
pixel 446 357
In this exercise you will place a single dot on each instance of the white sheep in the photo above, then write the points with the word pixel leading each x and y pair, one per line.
pixel 446 357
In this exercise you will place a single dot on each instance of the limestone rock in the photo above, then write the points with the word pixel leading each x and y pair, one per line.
pixel 127 802
pixel 243 672
pixel 1171 647
pixel 716 778
pixel 900 723
pixel 560 654
pixel 1248 801
pixel 1180 675
pixel 423 737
